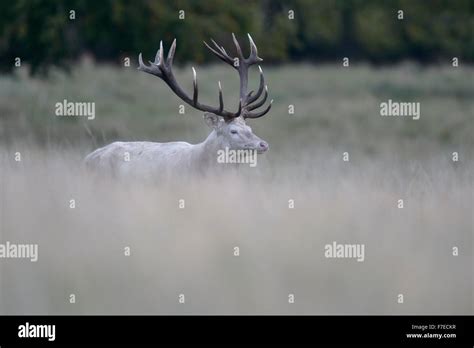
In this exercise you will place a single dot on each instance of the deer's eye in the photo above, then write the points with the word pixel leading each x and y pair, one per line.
pixel 233 131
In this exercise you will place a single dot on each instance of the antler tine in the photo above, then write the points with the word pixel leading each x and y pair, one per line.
pixel 159 60
pixel 169 60
pixel 212 49
pixel 237 46
pixel 225 52
pixel 220 53
pixel 260 88
pixel 221 50
pixel 260 103
pixel 253 57
pixel 195 87
pixel 239 111
pixel 259 114
pixel 221 99
pixel 229 58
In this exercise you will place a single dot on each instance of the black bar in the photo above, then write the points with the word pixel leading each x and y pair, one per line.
pixel 241 329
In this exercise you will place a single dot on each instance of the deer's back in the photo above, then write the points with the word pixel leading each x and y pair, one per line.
pixel 140 157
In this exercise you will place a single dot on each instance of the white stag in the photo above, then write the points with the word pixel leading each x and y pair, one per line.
pixel 229 130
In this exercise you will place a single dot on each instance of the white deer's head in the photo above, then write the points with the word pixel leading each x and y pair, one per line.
pixel 230 127
pixel 235 134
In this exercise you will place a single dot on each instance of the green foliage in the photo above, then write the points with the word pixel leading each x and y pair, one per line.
pixel 41 32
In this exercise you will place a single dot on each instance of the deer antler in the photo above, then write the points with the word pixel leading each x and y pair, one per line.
pixel 242 64
pixel 163 70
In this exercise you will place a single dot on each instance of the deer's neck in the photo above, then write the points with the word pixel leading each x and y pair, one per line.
pixel 205 153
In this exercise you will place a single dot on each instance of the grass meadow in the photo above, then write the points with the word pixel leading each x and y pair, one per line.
pixel 190 251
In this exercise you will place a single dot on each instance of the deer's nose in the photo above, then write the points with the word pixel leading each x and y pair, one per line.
pixel 263 146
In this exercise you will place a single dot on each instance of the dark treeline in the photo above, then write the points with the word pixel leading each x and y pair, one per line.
pixel 42 33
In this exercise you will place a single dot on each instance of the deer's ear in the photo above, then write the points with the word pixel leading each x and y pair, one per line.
pixel 212 120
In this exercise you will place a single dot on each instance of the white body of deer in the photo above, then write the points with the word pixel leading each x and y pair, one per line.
pixel 150 160
pixel 229 130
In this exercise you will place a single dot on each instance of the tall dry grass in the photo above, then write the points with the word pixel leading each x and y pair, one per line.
pixel 190 250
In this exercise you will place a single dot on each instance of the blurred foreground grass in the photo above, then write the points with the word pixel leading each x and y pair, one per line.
pixel 191 251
